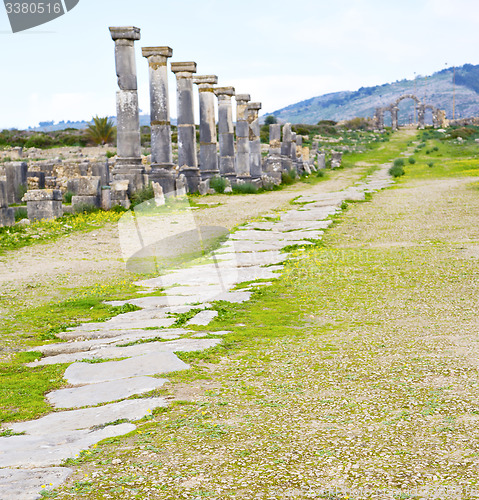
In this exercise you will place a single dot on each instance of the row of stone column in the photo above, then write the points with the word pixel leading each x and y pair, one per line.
pixel 438 116
pixel 244 165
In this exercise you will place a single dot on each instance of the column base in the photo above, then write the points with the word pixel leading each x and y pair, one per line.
pixel 208 174
pixel 193 178
pixel 165 175
pixel 132 170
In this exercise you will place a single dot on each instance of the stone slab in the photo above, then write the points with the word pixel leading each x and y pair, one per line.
pixel 20 484
pixel 91 395
pixel 203 318
pixel 75 420
pixel 52 449
pixel 112 352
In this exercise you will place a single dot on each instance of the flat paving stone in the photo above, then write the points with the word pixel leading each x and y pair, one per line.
pixel 203 318
pixel 87 418
pixel 112 352
pixel 52 449
pixel 105 392
pixel 27 484
pixel 152 363
pixel 125 324
pixel 88 345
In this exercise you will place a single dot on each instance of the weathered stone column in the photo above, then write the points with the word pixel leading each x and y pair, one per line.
pixel 208 138
pixel 187 159
pixel 128 165
pixel 162 166
pixel 299 154
pixel 321 160
pixel 226 132
pixel 293 152
pixel 242 137
pixel 255 158
pixel 273 163
pixel 394 118
pixel 421 113
pixel 286 148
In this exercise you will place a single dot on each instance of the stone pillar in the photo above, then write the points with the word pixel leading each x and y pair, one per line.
pixel 16 173
pixel 242 137
pixel 394 118
pixel 226 132
pixel 336 159
pixel 421 114
pixel 7 215
pixel 293 152
pixel 286 148
pixel 255 158
pixel 162 166
pixel 321 160
pixel 44 204
pixel 299 154
pixel 208 138
pixel 187 159
pixel 273 163
pixel 129 164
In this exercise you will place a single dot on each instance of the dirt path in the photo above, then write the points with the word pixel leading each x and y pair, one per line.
pixel 44 272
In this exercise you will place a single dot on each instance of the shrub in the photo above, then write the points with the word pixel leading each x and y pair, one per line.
pixel 110 154
pixel 430 164
pixel 270 120
pixel 320 173
pixel 428 151
pixel 396 171
pixel 142 195
pixel 85 208
pixel 412 160
pixel 435 148
pixel 39 141
pixel 20 214
pixel 398 162
pixel 246 188
pixel 286 178
pixel 218 184
pixel 463 132
pixel 67 197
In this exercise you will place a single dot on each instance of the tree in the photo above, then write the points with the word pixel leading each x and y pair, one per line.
pixel 101 130
pixel 270 120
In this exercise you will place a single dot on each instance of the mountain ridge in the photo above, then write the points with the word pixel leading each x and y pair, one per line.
pixel 437 89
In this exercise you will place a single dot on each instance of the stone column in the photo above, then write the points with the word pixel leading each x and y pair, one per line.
pixel 242 137
pixel 208 138
pixel 286 148
pixel 293 152
pixel 299 154
pixel 321 160
pixel 187 159
pixel 226 132
pixel 394 118
pixel 255 158
pixel 273 163
pixel 421 113
pixel 129 164
pixel 162 166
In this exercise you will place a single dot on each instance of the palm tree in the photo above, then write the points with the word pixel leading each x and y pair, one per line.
pixel 101 130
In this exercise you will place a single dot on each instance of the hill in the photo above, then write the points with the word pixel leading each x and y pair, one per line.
pixel 436 89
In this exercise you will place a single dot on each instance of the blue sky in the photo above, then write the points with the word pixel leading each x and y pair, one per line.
pixel 279 51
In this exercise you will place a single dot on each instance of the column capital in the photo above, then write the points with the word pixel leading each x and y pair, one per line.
pixel 156 51
pixel 256 106
pixel 225 91
pixel 125 33
pixel 243 97
pixel 183 67
pixel 205 80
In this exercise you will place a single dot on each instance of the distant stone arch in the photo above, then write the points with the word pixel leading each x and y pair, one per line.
pixel 438 115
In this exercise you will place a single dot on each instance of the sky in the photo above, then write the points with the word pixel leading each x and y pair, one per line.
pixel 279 51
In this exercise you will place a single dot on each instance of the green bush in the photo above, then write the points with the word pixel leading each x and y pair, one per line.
pixel 412 160
pixel 142 195
pixel 398 162
pixel 67 197
pixel 85 208
pixel 218 184
pixel 428 151
pixel 20 214
pixel 110 154
pixel 435 148
pixel 39 141
pixel 320 173
pixel 286 178
pixel 396 171
pixel 430 164
pixel 246 188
